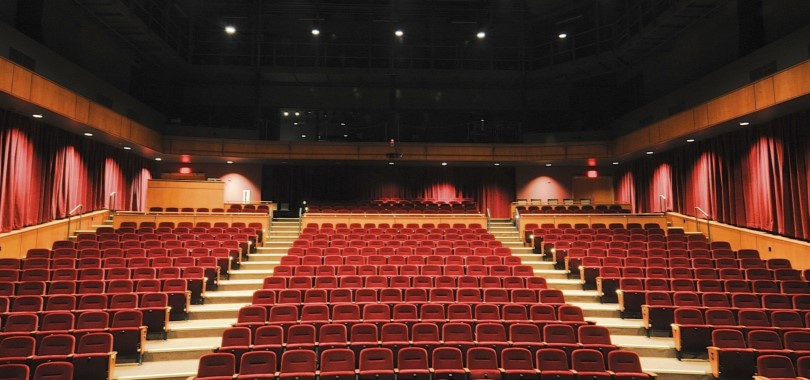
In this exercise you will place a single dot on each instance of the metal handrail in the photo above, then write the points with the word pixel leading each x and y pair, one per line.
pixel 708 224
pixel 79 207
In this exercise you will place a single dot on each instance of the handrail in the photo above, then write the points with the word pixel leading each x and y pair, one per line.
pixel 112 202
pixel 663 203
pixel 708 224
pixel 70 213
pixel 300 218
pixel 489 216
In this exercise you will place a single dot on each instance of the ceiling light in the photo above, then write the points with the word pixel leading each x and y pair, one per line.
pixel 496 164
pixel 399 33
pixel 390 163
pixel 444 164
pixel 127 148
pixel 342 124
pixel 316 31
pixel 650 152
pixel 744 123
pixel 563 35
pixel 37 116
pixel 158 159
pixel 230 29
pixel 548 164
pixel 345 135
pixel 295 123
pixel 88 134
pixel 297 113
pixel 481 35
pixel 286 114
pixel 303 136
pixel 690 140
pixel 229 162
pixel 615 162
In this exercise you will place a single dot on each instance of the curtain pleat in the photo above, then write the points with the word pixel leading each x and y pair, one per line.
pixel 46 172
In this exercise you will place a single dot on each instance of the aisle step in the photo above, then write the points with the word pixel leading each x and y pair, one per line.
pixel 197 328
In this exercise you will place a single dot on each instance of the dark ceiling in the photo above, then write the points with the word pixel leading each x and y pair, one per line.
pixel 437 82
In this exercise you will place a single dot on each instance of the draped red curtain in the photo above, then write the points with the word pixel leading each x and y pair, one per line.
pixel 756 177
pixel 492 188
pixel 46 172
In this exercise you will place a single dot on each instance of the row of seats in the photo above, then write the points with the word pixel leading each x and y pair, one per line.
pixel 404 241
pixel 415 296
pixel 295 313
pixel 210 242
pixel 412 363
pixel 326 210
pixel 177 297
pixel 261 209
pixel 361 233
pixel 170 224
pixel 780 367
pixel 126 327
pixel 436 313
pixel 572 209
pixel 77 304
pixel 734 354
pixel 398 226
pixel 65 317
pixel 399 260
pixel 404 281
pixel 423 248
pixel 116 252
pixel 56 359
pixel 611 267
pixel 545 227
pixel 405 270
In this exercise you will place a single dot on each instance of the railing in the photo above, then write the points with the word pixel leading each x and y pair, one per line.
pixel 79 207
pixel 489 216
pixel 708 224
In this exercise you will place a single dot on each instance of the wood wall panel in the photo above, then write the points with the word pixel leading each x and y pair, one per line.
pixel 392 218
pixel 734 104
pixel 17 243
pixel 6 75
pixel 763 93
pixel 21 83
pixel 51 96
pixel 195 194
pixel 792 83
pixel 676 126
pixel 82 112
pixel 104 119
pixel 768 245
pixel 701 117
pixel 598 190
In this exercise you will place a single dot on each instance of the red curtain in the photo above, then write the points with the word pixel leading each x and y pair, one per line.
pixel 491 188
pixel 46 172
pixel 757 177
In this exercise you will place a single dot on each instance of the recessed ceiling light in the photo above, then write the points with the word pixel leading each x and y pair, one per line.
pixel 286 114
pixel 158 159
pixel 650 152
pixel 295 123
pixel 342 124
pixel 496 164
pixel 303 136
pixel 345 135
pixel 548 164
pixel 37 116
pixel 127 148
pixel 563 35
pixel 390 163
pixel 88 134
pixel 481 35
pixel 297 113
pixel 444 164
pixel 316 31
pixel 744 123
pixel 230 29
pixel 229 162
pixel 690 140
pixel 615 162
pixel 399 33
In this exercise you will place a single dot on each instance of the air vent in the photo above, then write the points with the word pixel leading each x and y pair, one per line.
pixel 104 101
pixel 763 71
pixel 22 59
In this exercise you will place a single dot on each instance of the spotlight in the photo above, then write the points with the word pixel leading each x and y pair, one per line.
pixel 399 33
pixel 297 113
pixel 230 29
pixel 481 35
pixel 563 35
pixel 316 31
pixel 286 114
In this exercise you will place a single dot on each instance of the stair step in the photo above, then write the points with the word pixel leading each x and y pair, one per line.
pixel 196 328
pixel 164 370
pixel 215 311
pixel 180 349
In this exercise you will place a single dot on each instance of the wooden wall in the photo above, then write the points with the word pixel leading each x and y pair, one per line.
pixel 590 219
pixel 17 243
pixel 768 245
pixel 138 217
pixel 393 218
pixel 170 193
